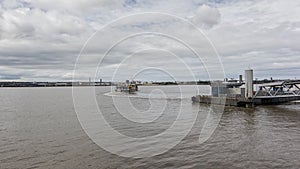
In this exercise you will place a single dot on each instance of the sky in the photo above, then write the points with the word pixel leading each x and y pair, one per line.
pixel 170 40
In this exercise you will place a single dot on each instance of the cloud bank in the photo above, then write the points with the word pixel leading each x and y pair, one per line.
pixel 41 39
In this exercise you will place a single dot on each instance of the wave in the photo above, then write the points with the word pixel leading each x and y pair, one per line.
pixel 144 96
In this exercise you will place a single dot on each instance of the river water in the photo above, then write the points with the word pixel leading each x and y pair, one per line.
pixel 39 128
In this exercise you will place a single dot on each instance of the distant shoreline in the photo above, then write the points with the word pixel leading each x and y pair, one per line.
pixel 97 84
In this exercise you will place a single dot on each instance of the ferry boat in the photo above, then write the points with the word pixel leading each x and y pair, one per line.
pixel 129 87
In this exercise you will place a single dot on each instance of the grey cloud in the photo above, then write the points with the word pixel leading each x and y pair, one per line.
pixel 206 16
pixel 10 77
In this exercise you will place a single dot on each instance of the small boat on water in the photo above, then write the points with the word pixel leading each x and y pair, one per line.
pixel 129 87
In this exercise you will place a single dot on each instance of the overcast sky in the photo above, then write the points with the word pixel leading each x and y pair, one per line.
pixel 40 40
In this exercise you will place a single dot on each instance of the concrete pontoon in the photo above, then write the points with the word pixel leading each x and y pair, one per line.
pixel 242 94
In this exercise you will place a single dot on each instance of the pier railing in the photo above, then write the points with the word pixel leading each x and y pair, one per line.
pixel 284 88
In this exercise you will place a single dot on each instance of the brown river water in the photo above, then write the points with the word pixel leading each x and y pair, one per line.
pixel 39 128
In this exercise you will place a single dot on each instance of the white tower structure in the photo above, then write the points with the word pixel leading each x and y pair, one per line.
pixel 248 83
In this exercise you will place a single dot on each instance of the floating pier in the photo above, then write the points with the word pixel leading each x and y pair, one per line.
pixel 241 94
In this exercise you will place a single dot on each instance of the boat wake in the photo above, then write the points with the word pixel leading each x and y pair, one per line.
pixel 145 96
